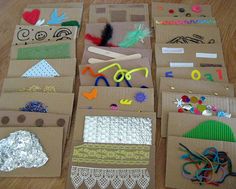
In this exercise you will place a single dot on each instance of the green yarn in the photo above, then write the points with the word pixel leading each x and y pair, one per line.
pixel 212 130
pixel 71 23
pixel 55 51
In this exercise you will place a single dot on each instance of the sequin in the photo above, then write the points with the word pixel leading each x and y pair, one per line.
pixel 207 113
pixel 187 107
pixel 180 110
pixel 194 99
pixel 201 108
pixel 202 98
pixel 185 98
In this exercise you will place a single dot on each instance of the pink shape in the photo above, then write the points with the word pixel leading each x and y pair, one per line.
pixel 196 111
pixel 196 8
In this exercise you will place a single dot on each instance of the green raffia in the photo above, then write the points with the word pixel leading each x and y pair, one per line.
pixel 71 23
pixel 212 130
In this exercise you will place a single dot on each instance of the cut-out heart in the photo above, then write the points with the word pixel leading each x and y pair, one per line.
pixel 31 16
pixel 90 95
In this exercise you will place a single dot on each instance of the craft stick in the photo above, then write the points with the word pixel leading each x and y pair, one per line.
pixel 107 53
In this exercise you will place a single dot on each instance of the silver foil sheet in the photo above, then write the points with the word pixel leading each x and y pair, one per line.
pixel 21 149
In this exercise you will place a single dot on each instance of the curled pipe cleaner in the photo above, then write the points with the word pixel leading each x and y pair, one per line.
pixel 135 36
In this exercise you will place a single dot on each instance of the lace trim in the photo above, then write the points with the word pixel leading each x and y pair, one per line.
pixel 104 177
pixel 111 154
pixel 119 130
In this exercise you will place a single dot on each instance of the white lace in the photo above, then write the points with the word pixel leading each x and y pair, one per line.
pixel 117 129
pixel 104 177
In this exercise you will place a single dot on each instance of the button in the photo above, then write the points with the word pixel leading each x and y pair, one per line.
pixel 196 8
pixel 188 15
pixel 39 122
pixel 181 10
pixel 171 11
pixel 21 118
pixel 5 120
pixel 61 122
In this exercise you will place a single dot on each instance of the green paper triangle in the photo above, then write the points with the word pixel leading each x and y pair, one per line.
pixel 212 130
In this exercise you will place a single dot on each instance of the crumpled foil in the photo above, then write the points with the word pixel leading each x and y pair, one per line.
pixel 21 149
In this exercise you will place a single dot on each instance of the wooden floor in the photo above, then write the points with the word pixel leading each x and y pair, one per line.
pixel 10 11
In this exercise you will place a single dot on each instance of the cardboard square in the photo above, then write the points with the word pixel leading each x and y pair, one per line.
pixel 177 34
pixel 25 34
pixel 138 78
pixel 60 84
pixel 65 67
pixel 174 178
pixel 53 149
pixel 49 14
pixel 191 55
pixel 226 104
pixel 202 74
pixel 186 21
pixel 102 13
pixel 145 53
pixel 60 103
pixel 191 86
pixel 47 50
pixel 119 32
pixel 61 4
pixel 116 94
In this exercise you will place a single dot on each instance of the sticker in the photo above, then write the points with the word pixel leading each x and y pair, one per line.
pixel 206 55
pixel 181 64
pixel 168 50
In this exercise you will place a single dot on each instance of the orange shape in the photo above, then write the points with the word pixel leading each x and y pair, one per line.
pixel 90 70
pixel 91 95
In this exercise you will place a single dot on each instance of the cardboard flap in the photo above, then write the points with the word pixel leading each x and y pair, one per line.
pixel 138 78
pixel 38 34
pixel 56 84
pixel 191 55
pixel 145 53
pixel 64 67
pixel 102 13
pixel 174 177
pixel 53 149
pixel 141 99
pixel 169 105
pixel 191 86
pixel 47 50
pixel 176 34
pixel 119 32
pixel 61 103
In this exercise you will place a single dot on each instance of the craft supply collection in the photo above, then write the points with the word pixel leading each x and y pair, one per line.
pixel 114 132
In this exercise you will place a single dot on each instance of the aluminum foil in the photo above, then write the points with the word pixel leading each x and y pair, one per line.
pixel 21 149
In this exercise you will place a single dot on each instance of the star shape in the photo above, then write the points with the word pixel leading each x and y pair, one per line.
pixel 179 103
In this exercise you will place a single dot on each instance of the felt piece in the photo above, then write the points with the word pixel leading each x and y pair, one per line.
pixel 31 16
pixel 212 130
pixel 55 18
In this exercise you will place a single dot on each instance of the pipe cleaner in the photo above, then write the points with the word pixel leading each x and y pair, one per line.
pixel 133 37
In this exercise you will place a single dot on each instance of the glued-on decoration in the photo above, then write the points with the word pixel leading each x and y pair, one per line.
pixel 91 95
pixel 55 18
pixel 126 102
pixel 110 177
pixel 41 69
pixel 35 106
pixel 31 16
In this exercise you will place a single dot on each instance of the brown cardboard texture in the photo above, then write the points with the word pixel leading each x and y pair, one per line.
pixel 173 34
pixel 48 50
pixel 138 78
pixel 60 103
pixel 64 67
pixel 202 74
pixel 192 55
pixel 174 178
pixel 102 13
pixel 53 5
pixel 227 104
pixel 60 84
pixel 37 34
pixel 47 15
pixel 119 32
pixel 53 149
pixel 145 53
pixel 191 86
pixel 121 96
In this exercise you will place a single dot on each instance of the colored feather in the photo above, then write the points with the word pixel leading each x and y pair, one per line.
pixel 97 40
pixel 135 36
pixel 106 35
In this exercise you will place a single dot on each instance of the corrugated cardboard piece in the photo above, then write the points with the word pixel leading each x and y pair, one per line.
pixel 61 103
pixel 50 14
pixel 138 78
pixel 119 32
pixel 205 74
pixel 37 34
pixel 116 94
pixel 78 139
pixel 146 53
pixel 53 149
pixel 102 13
pixel 182 34
pixel 47 50
pixel 227 104
pixel 191 86
pixel 192 55
pixel 187 21
pixel 60 84
pixel 65 67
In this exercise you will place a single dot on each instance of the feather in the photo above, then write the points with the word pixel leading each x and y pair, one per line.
pixel 135 36
pixel 97 40
pixel 106 35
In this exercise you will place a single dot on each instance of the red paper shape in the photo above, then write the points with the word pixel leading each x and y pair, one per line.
pixel 31 16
